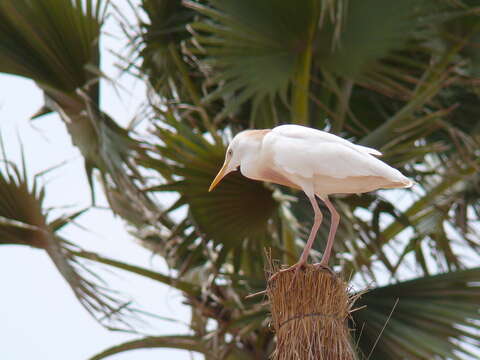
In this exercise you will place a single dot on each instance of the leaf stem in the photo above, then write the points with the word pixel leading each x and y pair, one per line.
pixel 184 286
pixel 192 91
pixel 342 105
pixel 301 81
pixel 181 342
pixel 418 207
pixel 434 80
pixel 301 87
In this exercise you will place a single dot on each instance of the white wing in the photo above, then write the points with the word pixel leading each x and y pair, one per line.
pixel 308 152
pixel 314 135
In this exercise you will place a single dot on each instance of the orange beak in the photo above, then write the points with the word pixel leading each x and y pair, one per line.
pixel 221 174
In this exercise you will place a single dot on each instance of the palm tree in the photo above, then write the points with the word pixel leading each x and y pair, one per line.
pixel 398 76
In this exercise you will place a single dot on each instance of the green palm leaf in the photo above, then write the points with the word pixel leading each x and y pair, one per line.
pixel 184 286
pixel 235 215
pixel 359 44
pixel 159 49
pixel 427 209
pixel 253 53
pixel 51 42
pixel 55 43
pixel 435 317
pixel 181 342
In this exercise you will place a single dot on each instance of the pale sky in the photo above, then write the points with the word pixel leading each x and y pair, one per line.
pixel 40 317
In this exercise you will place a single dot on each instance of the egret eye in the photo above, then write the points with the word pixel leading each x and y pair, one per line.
pixel 230 152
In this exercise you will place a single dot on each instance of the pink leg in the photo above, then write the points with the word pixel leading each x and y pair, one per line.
pixel 313 233
pixel 335 219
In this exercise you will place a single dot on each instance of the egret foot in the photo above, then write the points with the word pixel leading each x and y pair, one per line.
pixel 322 266
pixel 295 268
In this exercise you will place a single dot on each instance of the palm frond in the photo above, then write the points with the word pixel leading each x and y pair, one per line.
pixel 446 68
pixel 250 52
pixel 23 221
pixel 186 287
pixel 56 45
pixel 181 342
pixel 357 45
pixel 368 81
pixel 51 42
pixel 225 217
pixel 160 41
pixel 436 317
pixel 428 217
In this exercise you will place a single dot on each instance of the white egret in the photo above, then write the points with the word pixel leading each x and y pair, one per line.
pixel 314 161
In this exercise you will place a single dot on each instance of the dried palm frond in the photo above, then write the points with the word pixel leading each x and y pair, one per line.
pixel 310 309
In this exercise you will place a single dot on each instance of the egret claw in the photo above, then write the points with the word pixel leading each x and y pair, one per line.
pixel 319 266
pixel 295 267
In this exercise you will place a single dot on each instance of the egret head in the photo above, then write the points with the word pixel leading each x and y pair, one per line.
pixel 232 160
pixel 244 147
